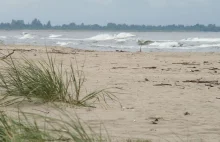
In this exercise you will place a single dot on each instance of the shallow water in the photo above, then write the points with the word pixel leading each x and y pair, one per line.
pixel 111 41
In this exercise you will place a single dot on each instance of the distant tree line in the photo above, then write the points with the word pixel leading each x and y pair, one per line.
pixel 37 25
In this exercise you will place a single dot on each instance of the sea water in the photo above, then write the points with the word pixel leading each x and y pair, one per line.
pixel 112 41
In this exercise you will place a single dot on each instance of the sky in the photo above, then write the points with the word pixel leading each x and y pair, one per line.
pixel 147 12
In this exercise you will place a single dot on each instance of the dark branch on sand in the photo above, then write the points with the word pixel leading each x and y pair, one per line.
pixel 6 56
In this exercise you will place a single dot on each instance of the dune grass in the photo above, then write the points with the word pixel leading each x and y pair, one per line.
pixel 48 81
pixel 26 129
pixel 12 130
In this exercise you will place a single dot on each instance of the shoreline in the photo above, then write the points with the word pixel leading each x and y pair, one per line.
pixel 40 47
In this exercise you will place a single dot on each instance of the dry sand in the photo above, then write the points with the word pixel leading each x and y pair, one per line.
pixel 152 86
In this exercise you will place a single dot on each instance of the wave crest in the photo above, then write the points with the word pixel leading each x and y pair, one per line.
pixel 103 37
pixel 202 39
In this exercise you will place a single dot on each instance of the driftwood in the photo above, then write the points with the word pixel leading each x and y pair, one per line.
pixel 149 67
pixel 213 68
pixel 168 69
pixel 201 81
pixel 162 84
pixel 192 67
pixel 6 56
pixel 25 50
pixel 195 71
pixel 209 85
pixel 187 63
pixel 59 52
pixel 119 67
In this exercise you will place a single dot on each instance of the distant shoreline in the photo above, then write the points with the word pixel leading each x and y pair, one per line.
pixel 37 25
pixel 108 31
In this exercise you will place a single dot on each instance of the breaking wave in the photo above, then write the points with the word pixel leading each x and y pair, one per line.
pixel 165 44
pixel 63 43
pixel 112 46
pixel 208 45
pixel 202 39
pixel 54 36
pixel 26 36
pixel 103 37
pixel 66 43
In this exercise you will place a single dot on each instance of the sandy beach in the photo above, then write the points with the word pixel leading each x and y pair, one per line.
pixel 164 96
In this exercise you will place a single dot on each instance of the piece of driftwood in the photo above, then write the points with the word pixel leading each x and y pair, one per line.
pixel 6 56
pixel 213 68
pixel 195 71
pixel 201 81
pixel 163 84
pixel 119 67
pixel 149 67
pixel 24 50
pixel 188 63
pixel 168 69
pixel 192 67
pixel 209 85
pixel 59 52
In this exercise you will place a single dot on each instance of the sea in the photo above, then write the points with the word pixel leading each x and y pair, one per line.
pixel 112 41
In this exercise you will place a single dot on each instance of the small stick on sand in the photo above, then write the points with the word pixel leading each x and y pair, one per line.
pixel 187 63
pixel 162 84
pixel 149 67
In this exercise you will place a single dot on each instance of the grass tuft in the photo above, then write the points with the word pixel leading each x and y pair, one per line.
pixel 49 82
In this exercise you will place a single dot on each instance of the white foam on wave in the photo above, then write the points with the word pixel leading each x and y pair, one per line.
pixel 64 39
pixel 103 37
pixel 124 35
pixel 208 45
pixel 121 40
pixel 112 46
pixel 177 45
pixel 66 43
pixel 26 36
pixel 202 39
pixel 62 43
pixel 54 36
pixel 164 44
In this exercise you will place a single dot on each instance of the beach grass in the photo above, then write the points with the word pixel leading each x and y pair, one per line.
pixel 29 127
pixel 49 81
pixel 16 130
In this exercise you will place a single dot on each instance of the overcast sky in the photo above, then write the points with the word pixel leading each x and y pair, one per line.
pixel 148 12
